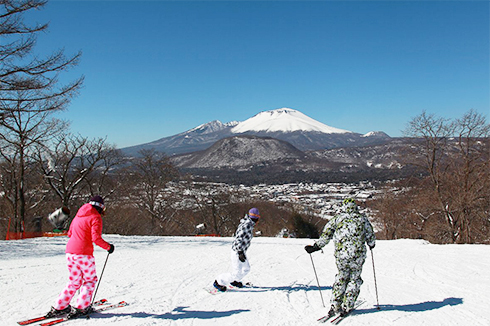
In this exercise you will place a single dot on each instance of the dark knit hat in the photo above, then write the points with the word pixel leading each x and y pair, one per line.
pixel 97 201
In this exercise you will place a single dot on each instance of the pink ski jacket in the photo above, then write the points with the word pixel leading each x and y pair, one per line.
pixel 86 229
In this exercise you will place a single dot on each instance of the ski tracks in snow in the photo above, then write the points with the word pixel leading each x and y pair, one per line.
pixel 162 280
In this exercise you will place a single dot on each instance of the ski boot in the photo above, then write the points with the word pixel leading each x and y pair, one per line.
pixel 57 312
pixel 236 284
pixel 343 312
pixel 331 312
pixel 77 312
pixel 219 287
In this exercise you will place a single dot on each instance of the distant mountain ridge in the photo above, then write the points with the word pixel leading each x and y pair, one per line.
pixel 247 159
pixel 292 126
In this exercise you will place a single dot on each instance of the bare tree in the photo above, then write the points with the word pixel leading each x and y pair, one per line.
pixel 108 176
pixel 217 208
pixel 403 210
pixel 18 139
pixel 455 155
pixel 77 166
pixel 29 92
pixel 470 176
pixel 21 70
pixel 153 171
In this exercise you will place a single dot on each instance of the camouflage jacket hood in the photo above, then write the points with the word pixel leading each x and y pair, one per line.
pixel 350 232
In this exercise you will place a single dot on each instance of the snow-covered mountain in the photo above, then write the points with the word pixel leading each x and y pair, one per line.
pixel 303 132
pixel 284 120
pixel 379 134
pixel 195 139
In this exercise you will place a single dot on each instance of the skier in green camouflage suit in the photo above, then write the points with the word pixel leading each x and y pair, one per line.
pixel 350 231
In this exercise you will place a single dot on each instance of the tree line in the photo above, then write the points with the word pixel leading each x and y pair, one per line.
pixel 44 166
pixel 449 201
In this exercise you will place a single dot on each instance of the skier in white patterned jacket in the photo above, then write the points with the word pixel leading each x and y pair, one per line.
pixel 240 266
pixel 350 231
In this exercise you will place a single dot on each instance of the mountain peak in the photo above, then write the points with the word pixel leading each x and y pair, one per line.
pixel 212 126
pixel 379 134
pixel 284 120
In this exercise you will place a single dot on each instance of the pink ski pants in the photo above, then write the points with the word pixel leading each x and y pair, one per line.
pixel 83 277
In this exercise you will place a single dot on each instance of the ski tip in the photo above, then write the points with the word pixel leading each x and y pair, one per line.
pixel 30 321
pixel 322 319
pixel 210 290
pixel 100 302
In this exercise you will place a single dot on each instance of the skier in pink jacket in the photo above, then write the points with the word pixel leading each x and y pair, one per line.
pixel 85 230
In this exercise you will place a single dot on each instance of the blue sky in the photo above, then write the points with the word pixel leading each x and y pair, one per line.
pixel 157 68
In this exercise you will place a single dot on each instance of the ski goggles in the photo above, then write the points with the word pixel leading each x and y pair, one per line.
pixel 96 203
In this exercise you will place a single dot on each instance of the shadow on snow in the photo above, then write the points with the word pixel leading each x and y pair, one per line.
pixel 177 313
pixel 423 306
pixel 184 313
pixel 287 288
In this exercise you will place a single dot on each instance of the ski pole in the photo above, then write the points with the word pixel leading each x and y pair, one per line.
pixel 100 279
pixel 375 283
pixel 319 288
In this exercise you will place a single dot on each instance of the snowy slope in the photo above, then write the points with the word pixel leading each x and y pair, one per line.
pixel 378 134
pixel 210 127
pixel 284 120
pixel 163 278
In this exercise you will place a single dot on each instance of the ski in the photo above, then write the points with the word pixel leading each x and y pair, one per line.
pixel 324 318
pixel 34 320
pixel 245 285
pixel 339 318
pixel 109 307
pixel 212 290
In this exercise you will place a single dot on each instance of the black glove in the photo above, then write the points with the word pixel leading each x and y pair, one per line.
pixel 111 249
pixel 310 249
pixel 241 256
pixel 372 247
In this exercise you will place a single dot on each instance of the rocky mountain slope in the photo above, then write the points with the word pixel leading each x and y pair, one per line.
pixel 239 152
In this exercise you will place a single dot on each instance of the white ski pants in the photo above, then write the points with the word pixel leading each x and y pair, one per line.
pixel 238 270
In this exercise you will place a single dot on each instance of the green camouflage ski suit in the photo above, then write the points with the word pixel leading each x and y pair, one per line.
pixel 350 231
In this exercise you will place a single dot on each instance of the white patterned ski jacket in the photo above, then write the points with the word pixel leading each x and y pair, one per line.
pixel 350 231
pixel 243 234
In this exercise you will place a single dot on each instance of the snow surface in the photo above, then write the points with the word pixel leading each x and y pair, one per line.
pixel 163 279
pixel 284 120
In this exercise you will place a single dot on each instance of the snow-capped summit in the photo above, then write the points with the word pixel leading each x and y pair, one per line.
pixel 379 134
pixel 212 126
pixel 284 120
